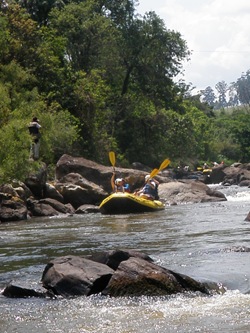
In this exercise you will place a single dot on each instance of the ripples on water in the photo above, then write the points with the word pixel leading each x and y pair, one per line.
pixel 197 240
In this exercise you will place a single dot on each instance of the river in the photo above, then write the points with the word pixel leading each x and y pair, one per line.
pixel 199 240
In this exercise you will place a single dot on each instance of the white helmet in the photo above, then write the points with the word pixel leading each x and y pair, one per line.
pixel 118 180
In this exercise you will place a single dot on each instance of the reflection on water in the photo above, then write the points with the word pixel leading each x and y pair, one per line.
pixel 196 240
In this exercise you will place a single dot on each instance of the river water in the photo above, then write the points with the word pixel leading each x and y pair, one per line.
pixel 199 240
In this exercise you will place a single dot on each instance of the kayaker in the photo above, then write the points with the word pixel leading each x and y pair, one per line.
pixel 205 166
pixel 119 185
pixel 150 189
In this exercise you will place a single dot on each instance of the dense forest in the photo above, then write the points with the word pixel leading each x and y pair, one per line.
pixel 101 77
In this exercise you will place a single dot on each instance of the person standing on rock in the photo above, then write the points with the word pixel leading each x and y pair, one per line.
pixel 34 129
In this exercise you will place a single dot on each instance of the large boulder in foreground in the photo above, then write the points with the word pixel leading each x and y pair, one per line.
pixel 114 273
pixel 137 277
pixel 188 191
pixel 75 276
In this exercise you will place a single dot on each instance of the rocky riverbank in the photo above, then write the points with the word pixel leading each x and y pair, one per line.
pixel 80 185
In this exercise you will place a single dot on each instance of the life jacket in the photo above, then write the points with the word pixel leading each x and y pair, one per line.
pixel 149 190
pixel 119 188
pixel 33 130
pixel 126 188
pixel 153 192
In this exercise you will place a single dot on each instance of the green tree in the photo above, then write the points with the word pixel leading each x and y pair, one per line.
pixel 240 129
pixel 233 96
pixel 221 88
pixel 208 96
pixel 5 103
pixel 59 132
pixel 39 10
pixel 225 144
pixel 152 56
pixel 89 35
pixel 242 86
pixel 14 151
pixel 92 97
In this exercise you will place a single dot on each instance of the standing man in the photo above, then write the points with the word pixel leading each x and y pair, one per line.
pixel 34 129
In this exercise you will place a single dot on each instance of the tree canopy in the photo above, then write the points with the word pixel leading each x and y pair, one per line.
pixel 102 77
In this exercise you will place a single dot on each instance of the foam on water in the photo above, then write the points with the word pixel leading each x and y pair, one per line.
pixel 233 193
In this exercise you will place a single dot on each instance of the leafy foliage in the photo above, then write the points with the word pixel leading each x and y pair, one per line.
pixel 101 77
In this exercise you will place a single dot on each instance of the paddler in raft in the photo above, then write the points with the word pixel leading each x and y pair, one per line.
pixel 119 185
pixel 150 189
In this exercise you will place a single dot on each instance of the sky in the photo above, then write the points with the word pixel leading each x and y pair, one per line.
pixel 217 33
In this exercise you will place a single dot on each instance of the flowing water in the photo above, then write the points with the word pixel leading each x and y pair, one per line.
pixel 199 240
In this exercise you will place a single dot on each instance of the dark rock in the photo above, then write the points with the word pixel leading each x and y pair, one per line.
pixel 12 210
pixel 217 175
pixel 51 192
pixel 132 274
pixel 248 217
pixel 58 206
pixel 8 190
pixel 21 189
pixel 244 182
pixel 113 273
pixel 37 208
pixel 115 257
pixel 4 197
pixel 137 277
pixel 75 276
pixel 37 182
pixel 12 291
pixel 79 191
pixel 236 173
pixel 87 209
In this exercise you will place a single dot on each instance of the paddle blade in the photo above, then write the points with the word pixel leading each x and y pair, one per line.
pixel 112 158
pixel 154 173
pixel 164 164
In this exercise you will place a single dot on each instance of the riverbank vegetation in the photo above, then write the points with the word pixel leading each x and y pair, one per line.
pixel 100 77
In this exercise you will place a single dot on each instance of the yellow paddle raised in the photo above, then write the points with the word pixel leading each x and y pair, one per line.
pixel 164 164
pixel 112 159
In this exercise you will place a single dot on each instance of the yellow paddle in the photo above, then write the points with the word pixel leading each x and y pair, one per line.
pixel 112 159
pixel 164 164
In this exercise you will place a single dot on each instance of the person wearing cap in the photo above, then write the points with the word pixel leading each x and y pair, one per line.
pixel 34 129
pixel 150 189
pixel 119 185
